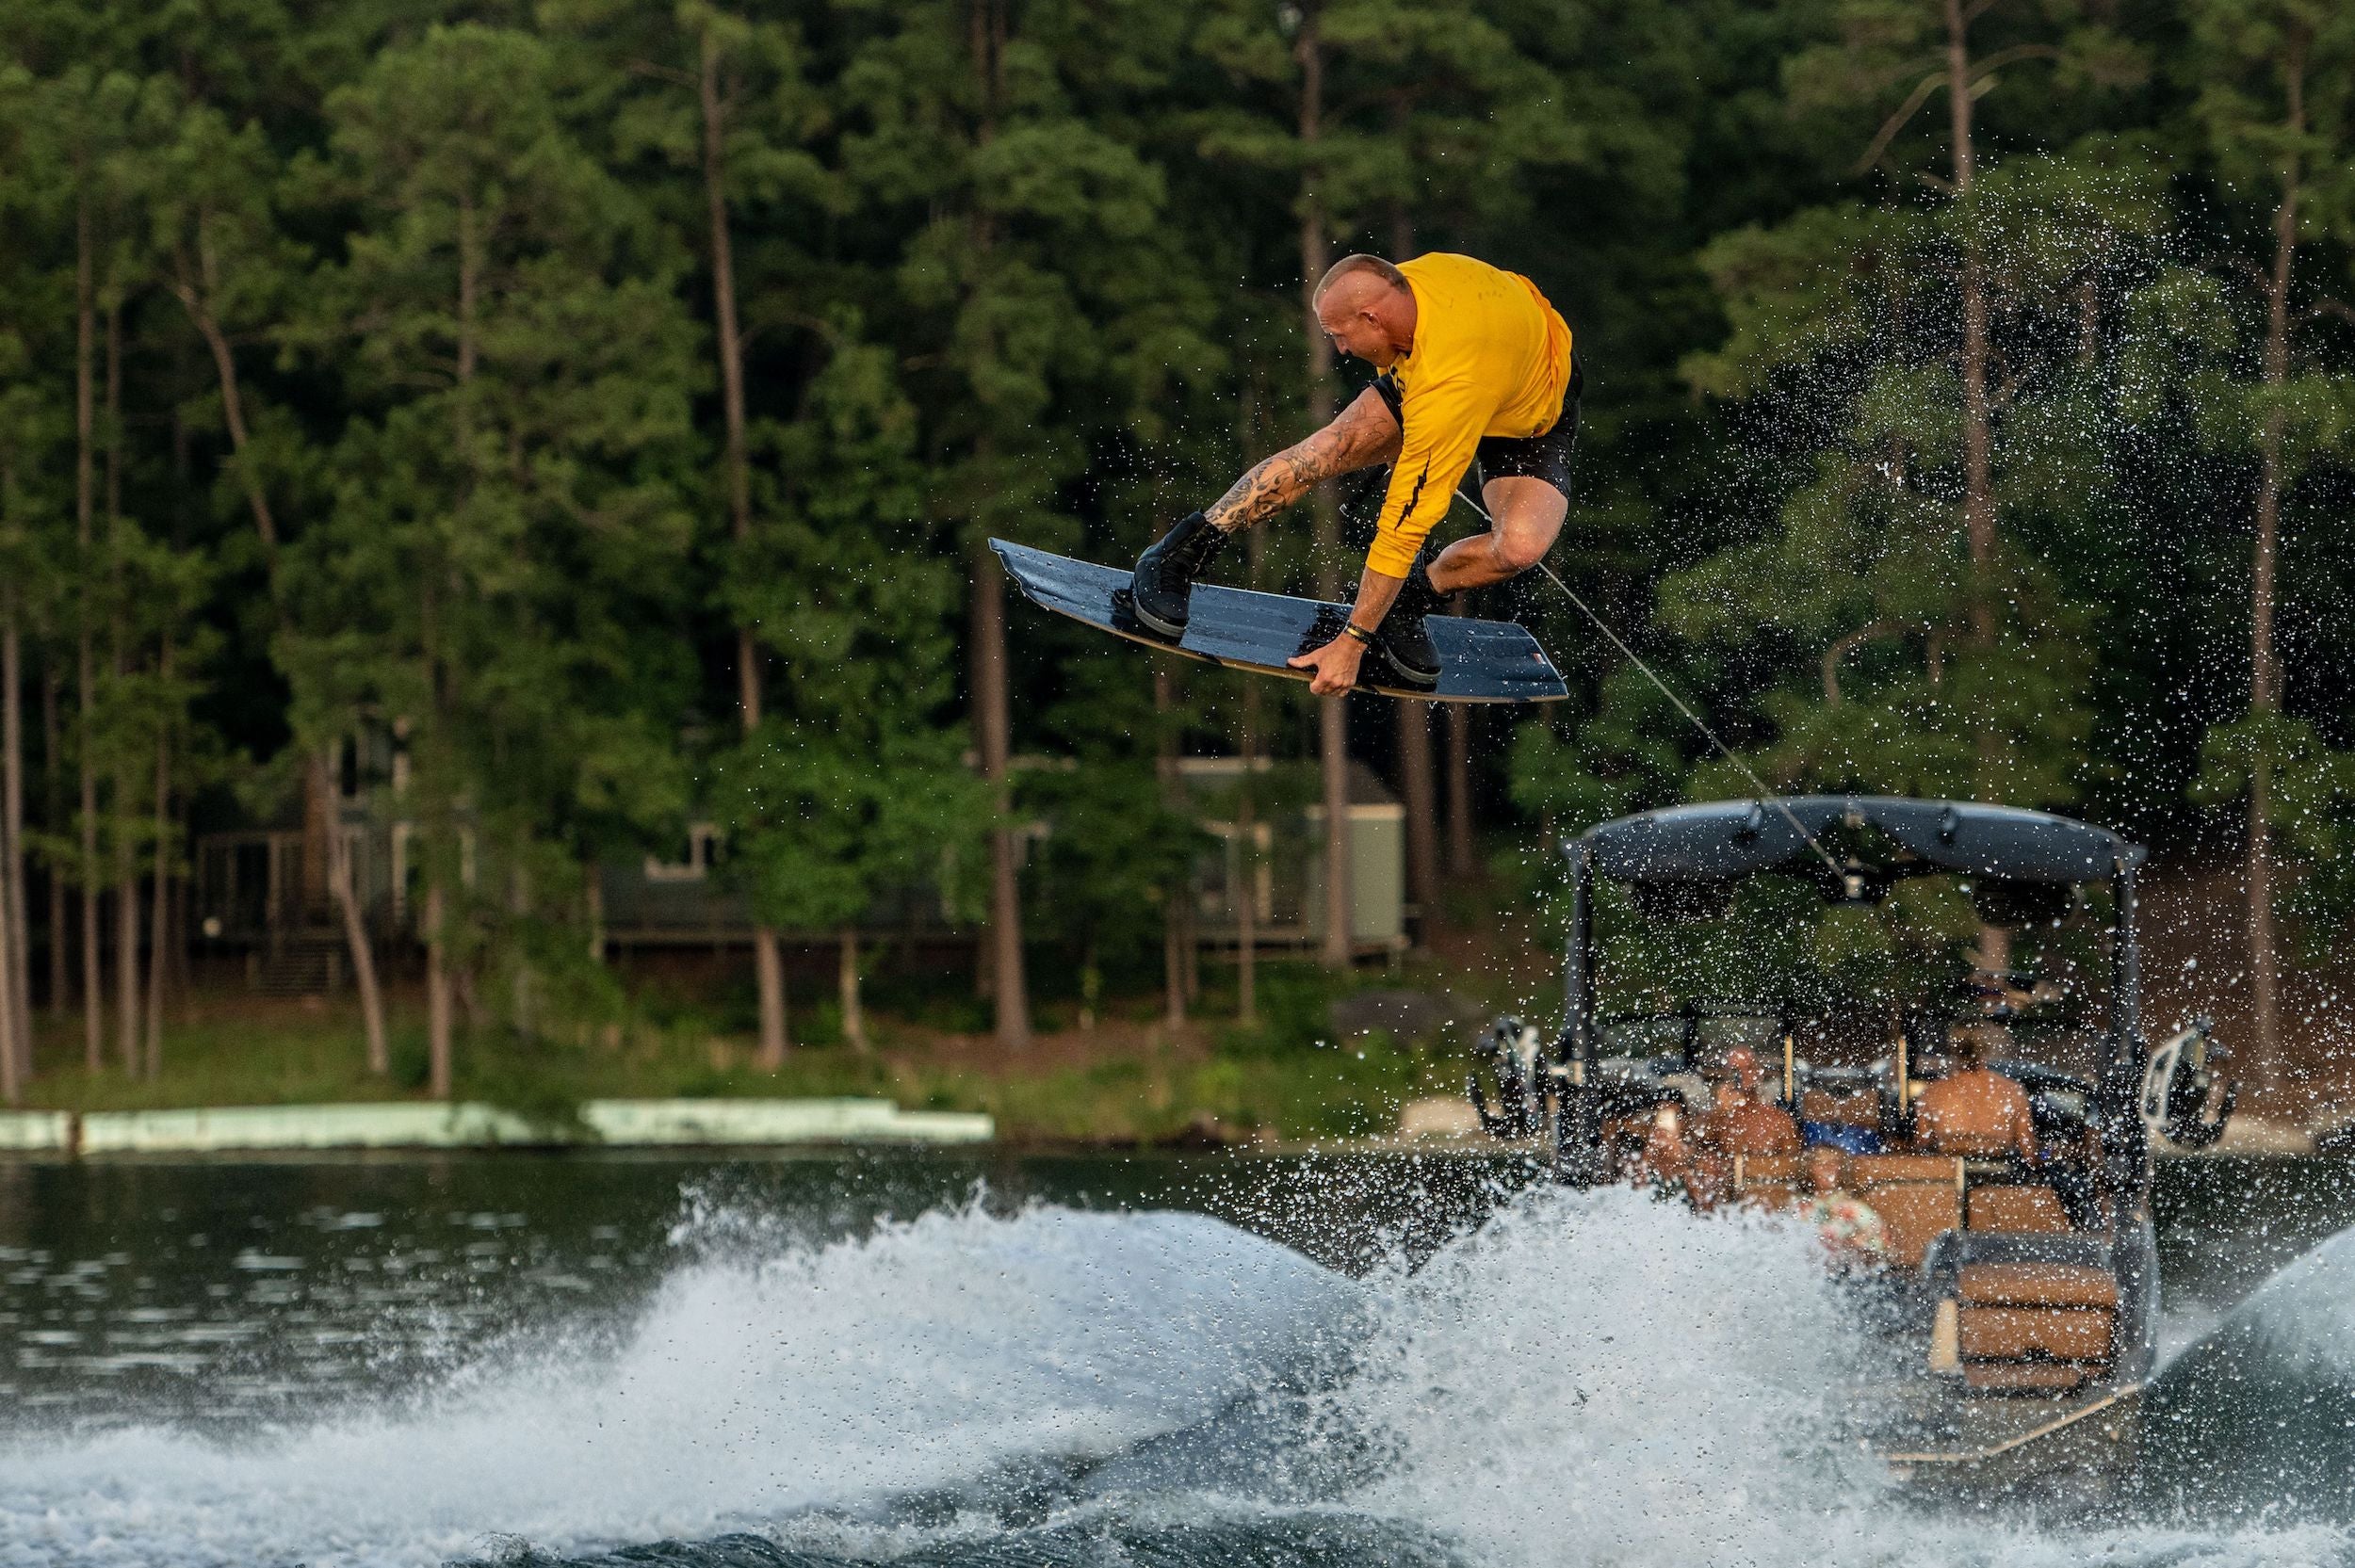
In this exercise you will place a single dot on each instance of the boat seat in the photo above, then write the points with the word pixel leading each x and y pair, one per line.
pixel 2048 1334
pixel 1859 1108
pixel 2008 1377
pixel 2038 1285
pixel 1768 1181
pixel 2034 1326
pixel 2017 1208
pixel 1866 1171
pixel 1913 1215
pixel 1919 1198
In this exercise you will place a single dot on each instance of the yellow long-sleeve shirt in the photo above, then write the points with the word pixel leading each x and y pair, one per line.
pixel 1490 358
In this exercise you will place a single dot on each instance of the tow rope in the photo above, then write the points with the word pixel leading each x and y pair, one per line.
pixel 1766 796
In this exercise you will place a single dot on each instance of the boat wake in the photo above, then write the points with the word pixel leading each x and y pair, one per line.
pixel 2257 1420
pixel 926 1353
pixel 1588 1378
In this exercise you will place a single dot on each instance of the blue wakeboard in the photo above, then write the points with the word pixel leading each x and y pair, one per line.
pixel 1479 661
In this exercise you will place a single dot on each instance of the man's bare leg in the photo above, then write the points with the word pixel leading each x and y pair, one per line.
pixel 1526 518
pixel 1363 435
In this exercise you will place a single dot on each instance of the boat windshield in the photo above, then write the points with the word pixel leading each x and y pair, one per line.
pixel 1854 984
pixel 1698 1038
pixel 1658 1037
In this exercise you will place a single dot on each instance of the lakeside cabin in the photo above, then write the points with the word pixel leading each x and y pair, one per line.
pixel 259 896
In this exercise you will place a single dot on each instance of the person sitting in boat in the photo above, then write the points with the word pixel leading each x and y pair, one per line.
pixel 1665 1164
pixel 1852 1235
pixel 1738 1122
pixel 1975 1110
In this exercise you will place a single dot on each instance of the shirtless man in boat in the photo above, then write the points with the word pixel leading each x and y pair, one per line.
pixel 1738 1122
pixel 1974 1110
pixel 1475 364
pixel 1736 1125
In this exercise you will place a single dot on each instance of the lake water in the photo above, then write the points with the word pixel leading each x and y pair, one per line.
pixel 960 1360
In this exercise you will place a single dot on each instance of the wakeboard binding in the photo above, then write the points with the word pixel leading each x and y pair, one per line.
pixel 1161 591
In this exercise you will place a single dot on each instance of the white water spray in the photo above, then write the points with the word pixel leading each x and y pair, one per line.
pixel 1590 1379
pixel 920 1356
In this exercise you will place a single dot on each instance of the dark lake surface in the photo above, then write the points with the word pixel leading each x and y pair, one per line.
pixel 884 1357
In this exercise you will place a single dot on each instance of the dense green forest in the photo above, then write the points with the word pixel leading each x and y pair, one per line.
pixel 608 402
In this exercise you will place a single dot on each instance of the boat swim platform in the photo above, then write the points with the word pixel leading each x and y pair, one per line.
pixel 2078 1450
pixel 404 1124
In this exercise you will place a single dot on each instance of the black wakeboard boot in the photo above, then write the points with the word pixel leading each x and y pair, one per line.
pixel 1163 588
pixel 1403 639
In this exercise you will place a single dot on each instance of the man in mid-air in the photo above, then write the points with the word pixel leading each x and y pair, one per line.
pixel 1475 364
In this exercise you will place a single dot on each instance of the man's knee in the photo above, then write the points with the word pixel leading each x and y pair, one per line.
pixel 1518 549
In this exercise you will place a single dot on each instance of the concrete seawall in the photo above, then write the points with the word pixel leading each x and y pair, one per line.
pixel 611 1124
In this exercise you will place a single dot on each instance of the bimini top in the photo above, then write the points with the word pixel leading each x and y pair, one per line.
pixel 1725 839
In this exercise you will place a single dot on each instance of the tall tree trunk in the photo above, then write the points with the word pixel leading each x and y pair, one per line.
pixel 592 903
pixel 1978 492
pixel 1174 935
pixel 342 889
pixel 775 1002
pixel 1463 855
pixel 158 943
pixel 16 919
pixel 986 24
pixel 15 1052
pixel 16 1043
pixel 194 285
pixel 2264 668
pixel 994 727
pixel 437 989
pixel 125 837
pixel 1335 946
pixel 181 974
pixel 524 987
pixel 1246 897
pixel 441 986
pixel 193 299
pixel 127 907
pixel 85 508
pixel 846 982
pixel 768 957
pixel 54 817
pixel 1422 813
pixel 1978 501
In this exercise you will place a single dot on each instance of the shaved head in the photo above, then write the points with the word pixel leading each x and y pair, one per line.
pixel 1364 305
pixel 1372 268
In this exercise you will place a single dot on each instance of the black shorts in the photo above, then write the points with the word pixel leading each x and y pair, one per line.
pixel 1544 456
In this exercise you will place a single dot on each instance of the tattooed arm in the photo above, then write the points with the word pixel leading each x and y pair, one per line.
pixel 1366 433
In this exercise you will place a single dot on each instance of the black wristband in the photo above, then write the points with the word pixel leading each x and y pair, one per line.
pixel 1351 628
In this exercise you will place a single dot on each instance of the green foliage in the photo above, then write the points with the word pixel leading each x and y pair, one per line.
pixel 420 430
pixel 2310 805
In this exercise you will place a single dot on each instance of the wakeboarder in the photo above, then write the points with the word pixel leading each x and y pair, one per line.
pixel 1475 365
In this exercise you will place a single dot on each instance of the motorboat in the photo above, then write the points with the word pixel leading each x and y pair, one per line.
pixel 1841 941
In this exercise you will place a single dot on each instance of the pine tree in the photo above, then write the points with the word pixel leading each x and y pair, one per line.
pixel 506 529
pixel 1908 337
pixel 1032 289
pixel 721 95
pixel 2277 107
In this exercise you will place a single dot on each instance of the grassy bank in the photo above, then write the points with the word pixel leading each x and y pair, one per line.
pixel 1130 1077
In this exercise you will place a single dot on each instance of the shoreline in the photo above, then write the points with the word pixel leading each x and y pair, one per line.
pixel 678 1123
pixel 469 1124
